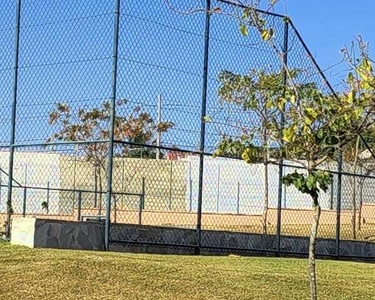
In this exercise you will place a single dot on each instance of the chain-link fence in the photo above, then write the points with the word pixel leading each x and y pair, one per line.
pixel 102 116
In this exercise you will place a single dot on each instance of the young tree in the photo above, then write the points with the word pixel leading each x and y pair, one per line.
pixel 350 157
pixel 316 128
pixel 254 93
pixel 362 158
pixel 92 124
pixel 313 126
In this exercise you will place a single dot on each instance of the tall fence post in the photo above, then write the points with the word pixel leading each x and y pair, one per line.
pixel 1 186
pixel 13 117
pixel 238 198
pixel 203 125
pixel 143 192
pixel 190 189
pixel 24 199
pixel 338 203
pixel 95 187
pixel 331 196
pixel 48 192
pixel 170 185
pixel 79 206
pixel 140 210
pixel 141 205
pixel 218 189
pixel 281 162
pixel 112 121
pixel 158 135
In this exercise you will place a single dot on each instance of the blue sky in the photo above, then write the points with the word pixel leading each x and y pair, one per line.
pixel 328 25
pixel 66 57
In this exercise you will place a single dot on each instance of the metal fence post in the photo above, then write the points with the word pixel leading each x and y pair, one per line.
pixel 24 202
pixel 1 186
pixel 79 206
pixel 13 117
pixel 331 196
pixel 141 204
pixel 47 197
pixel 170 186
pixel 190 190
pixel 218 190
pixel 338 203
pixel 140 209
pixel 280 186
pixel 238 198
pixel 143 192
pixel 112 121
pixel 203 124
pixel 158 136
pixel 95 188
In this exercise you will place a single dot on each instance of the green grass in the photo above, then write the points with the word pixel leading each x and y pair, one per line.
pixel 54 274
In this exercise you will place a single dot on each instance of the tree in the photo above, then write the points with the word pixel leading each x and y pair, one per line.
pixel 255 93
pixel 316 127
pixel 360 158
pixel 312 125
pixel 92 124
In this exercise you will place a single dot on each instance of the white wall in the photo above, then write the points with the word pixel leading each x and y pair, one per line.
pixel 33 169
pixel 223 178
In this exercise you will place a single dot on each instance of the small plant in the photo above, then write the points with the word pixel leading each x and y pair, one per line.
pixel 45 205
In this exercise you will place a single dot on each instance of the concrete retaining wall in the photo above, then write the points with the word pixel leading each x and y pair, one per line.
pixel 33 232
pixel 183 241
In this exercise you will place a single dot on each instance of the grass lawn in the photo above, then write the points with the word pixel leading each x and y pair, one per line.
pixel 54 274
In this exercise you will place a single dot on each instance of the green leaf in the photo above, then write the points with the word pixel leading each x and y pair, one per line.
pixel 293 99
pixel 266 34
pixel 351 97
pixel 244 30
pixel 350 78
pixel 308 121
pixel 358 112
pixel 281 103
pixel 207 119
pixel 312 113
pixel 289 134
pixel 269 104
pixel 311 182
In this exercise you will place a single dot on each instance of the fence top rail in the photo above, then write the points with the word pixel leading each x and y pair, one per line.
pixel 267 12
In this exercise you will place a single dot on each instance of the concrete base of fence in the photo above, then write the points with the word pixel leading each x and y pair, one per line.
pixel 150 239
pixel 33 232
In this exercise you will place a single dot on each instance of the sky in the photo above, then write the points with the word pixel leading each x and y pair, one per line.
pixel 328 25
pixel 66 56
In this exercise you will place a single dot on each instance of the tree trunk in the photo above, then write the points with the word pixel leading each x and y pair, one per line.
pixel 266 199
pixel 312 247
pixel 354 196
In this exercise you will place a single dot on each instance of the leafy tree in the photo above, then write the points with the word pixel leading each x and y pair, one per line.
pixel 361 159
pixel 317 127
pixel 92 124
pixel 255 93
